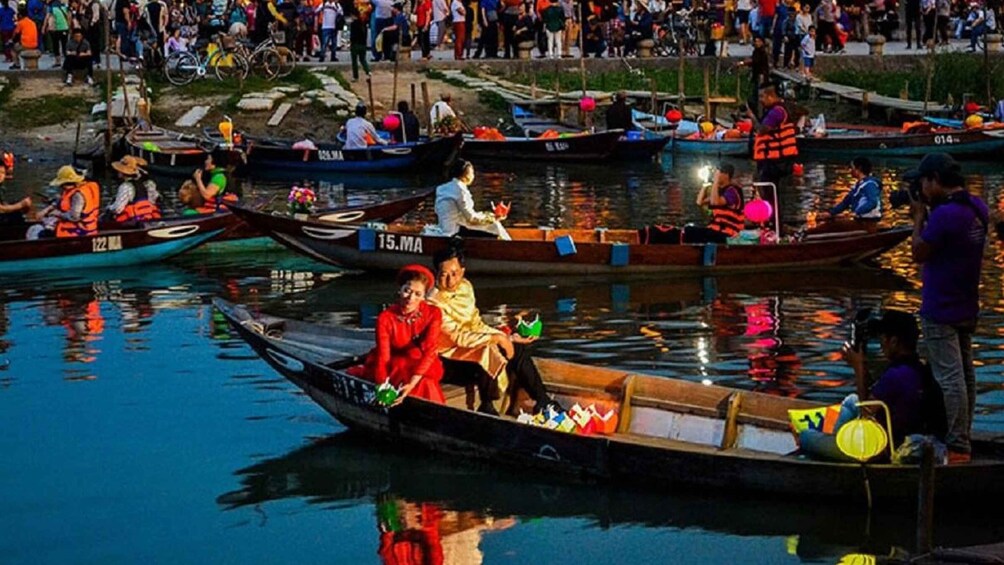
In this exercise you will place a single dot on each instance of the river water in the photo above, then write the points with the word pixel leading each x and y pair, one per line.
pixel 138 429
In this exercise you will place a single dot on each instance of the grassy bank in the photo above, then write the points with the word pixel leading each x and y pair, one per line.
pixel 664 79
pixel 47 110
pixel 955 74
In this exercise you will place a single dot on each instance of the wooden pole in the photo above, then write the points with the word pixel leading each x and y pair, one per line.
pixel 126 110
pixel 557 91
pixel 369 87
pixel 930 77
pixel 864 104
pixel 680 82
pixel 393 97
pixel 108 93
pixel 925 500
pixel 413 97
pixel 425 102
pixel 582 48
pixel 707 92
pixel 654 101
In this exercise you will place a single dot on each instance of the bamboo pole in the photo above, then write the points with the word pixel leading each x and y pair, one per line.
pixel 126 108
pixel 393 97
pixel 369 87
pixel 425 102
pixel 707 92
pixel 681 86
pixel 413 97
pixel 653 102
pixel 582 48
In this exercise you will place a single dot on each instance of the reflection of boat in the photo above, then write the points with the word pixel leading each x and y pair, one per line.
pixel 669 431
pixel 583 147
pixel 880 142
pixel 426 155
pixel 149 243
pixel 347 467
pixel 560 251
pixel 630 147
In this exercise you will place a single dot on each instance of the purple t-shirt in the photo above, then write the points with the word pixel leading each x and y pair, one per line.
pixel 901 387
pixel 775 117
pixel 951 274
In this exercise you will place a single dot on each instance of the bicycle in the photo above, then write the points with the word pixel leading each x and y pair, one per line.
pixel 182 67
pixel 271 58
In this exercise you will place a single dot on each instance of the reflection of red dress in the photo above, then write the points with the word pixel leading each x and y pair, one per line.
pixel 414 546
pixel 406 346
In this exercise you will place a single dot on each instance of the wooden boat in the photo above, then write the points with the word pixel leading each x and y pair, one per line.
pixel 148 243
pixel 879 142
pixel 174 153
pixel 655 126
pixel 538 251
pixel 669 432
pixel 632 146
pixel 425 155
pixel 583 147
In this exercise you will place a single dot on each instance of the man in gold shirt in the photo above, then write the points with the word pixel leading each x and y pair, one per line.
pixel 474 351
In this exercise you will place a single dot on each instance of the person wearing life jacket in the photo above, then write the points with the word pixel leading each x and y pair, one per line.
pixel 774 141
pixel 214 193
pixel 864 201
pixel 136 198
pixel 724 199
pixel 76 213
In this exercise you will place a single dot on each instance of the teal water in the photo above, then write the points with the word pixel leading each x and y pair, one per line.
pixel 137 429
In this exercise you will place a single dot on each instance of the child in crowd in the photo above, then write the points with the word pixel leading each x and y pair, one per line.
pixel 808 52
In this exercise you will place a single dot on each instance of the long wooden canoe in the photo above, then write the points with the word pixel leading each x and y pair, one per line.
pixel 863 140
pixel 632 146
pixel 150 242
pixel 540 251
pixel 419 156
pixel 174 153
pixel 584 147
pixel 669 431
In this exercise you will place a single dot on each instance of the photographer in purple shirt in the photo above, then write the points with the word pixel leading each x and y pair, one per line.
pixel 949 234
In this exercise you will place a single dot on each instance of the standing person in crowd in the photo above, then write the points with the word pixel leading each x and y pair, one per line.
pixel 774 140
pixel 238 20
pixel 949 234
pixel 510 15
pixel 928 9
pixel 155 15
pixel 305 26
pixel 765 24
pixel 826 28
pixel 399 33
pixel 459 14
pixel 8 20
pixel 792 40
pixel 743 8
pixel 777 33
pixel 329 12
pixel 523 32
pixel 571 33
pixel 471 11
pixel 441 20
pixel 809 52
pixel 123 22
pixel 25 36
pixel 554 24
pixel 57 25
pixel 913 18
pixel 357 44
pixel 78 58
pixel 943 10
pixel 592 36
pixel 97 15
pixel 423 23
pixel 488 11
pixel 37 13
pixel 383 17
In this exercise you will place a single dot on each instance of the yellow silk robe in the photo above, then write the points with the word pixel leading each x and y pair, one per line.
pixel 464 335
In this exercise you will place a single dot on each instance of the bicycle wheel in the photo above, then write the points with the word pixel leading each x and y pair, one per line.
pixel 181 68
pixel 267 63
pixel 229 65
pixel 287 61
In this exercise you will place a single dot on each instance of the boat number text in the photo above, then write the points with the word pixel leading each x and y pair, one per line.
pixel 556 146
pixel 402 243
pixel 107 243
pixel 352 390
pixel 329 155
pixel 945 139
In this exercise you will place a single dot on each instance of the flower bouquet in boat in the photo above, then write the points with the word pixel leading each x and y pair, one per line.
pixel 301 201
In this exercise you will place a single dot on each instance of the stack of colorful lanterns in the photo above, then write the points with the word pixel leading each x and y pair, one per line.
pixel 578 420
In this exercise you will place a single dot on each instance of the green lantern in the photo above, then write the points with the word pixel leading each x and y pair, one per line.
pixel 532 329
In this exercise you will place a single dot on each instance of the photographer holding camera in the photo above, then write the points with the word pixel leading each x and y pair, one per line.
pixel 949 233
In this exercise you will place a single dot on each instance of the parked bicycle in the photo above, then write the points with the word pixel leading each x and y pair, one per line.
pixel 221 55
pixel 270 58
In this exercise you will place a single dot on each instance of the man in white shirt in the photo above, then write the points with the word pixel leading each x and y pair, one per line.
pixel 357 129
pixel 441 109
pixel 455 207
pixel 328 13
pixel 440 21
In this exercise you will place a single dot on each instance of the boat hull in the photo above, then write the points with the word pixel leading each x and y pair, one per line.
pixel 423 156
pixel 356 248
pixel 710 147
pixel 586 147
pixel 960 143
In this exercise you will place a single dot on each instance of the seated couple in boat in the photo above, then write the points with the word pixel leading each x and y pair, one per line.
pixel 906 386
pixel 455 208
pixel 723 198
pixel 422 342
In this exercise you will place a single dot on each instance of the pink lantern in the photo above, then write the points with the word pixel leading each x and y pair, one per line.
pixel 391 122
pixel 587 104
pixel 797 169
pixel 758 211
pixel 674 116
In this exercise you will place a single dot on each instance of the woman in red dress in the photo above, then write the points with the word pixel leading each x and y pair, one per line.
pixel 406 333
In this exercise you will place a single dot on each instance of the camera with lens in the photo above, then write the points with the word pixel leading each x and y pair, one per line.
pixel 904 196
pixel 863 328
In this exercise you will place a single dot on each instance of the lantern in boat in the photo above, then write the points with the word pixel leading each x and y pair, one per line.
pixel 501 210
pixel 587 104
pixel 971 108
pixel 744 126
pixel 226 128
pixel 797 169
pixel 391 122
pixel 758 211
pixel 974 121
pixel 386 394
pixel 531 329
pixel 707 128
pixel 674 116
pixel 862 439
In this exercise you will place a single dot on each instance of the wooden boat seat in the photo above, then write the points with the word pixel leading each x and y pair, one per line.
pixel 596 235
pixel 834 235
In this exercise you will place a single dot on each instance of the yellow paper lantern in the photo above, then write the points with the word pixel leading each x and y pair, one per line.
pixel 974 121
pixel 857 559
pixel 707 127
pixel 226 128
pixel 862 439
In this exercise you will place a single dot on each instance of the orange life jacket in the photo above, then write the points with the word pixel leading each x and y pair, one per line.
pixel 212 205
pixel 727 219
pixel 8 161
pixel 88 224
pixel 140 209
pixel 778 144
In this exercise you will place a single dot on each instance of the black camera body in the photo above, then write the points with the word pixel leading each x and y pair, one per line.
pixel 904 196
pixel 863 328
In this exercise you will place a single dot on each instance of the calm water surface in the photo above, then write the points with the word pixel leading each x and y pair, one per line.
pixel 137 429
